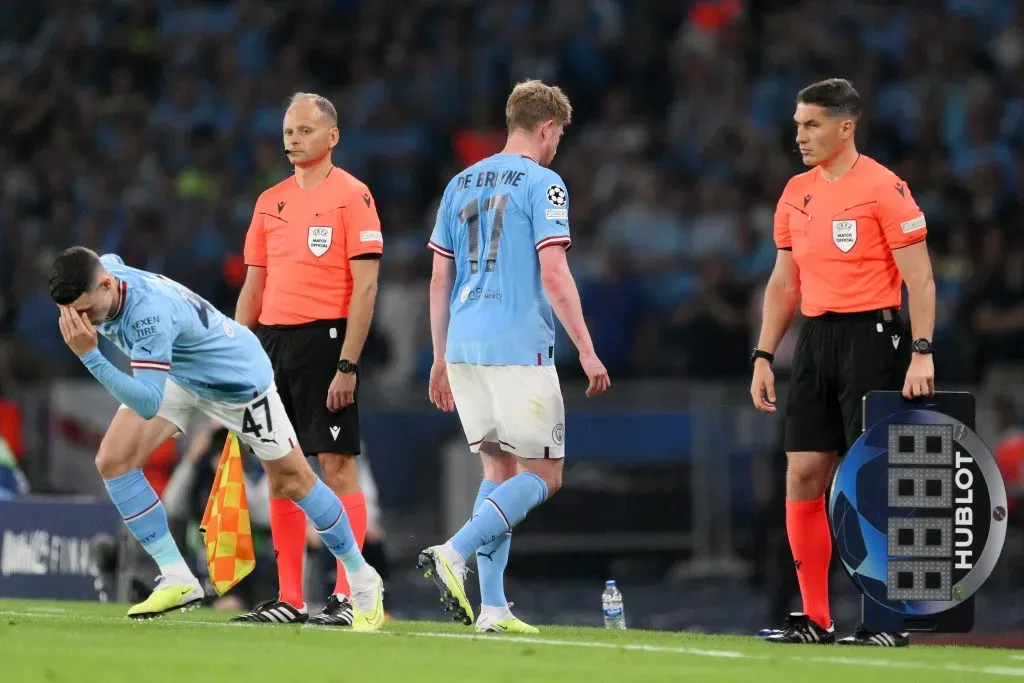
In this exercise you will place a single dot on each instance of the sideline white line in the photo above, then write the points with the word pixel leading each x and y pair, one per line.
pixel 528 640
pixel 990 670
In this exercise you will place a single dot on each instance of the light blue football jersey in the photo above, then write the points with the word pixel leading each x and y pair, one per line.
pixel 163 325
pixel 493 219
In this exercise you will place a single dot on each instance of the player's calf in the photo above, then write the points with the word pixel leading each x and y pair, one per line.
pixel 292 476
pixel 340 472
pixel 124 449
pixel 550 471
pixel 497 515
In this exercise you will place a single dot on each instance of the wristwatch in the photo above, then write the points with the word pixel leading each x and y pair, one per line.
pixel 758 353
pixel 347 366
pixel 922 346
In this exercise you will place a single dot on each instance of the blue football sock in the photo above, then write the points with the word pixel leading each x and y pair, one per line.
pixel 327 513
pixel 146 519
pixel 500 512
pixel 492 558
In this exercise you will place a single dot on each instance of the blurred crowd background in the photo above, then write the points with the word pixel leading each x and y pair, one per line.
pixel 149 127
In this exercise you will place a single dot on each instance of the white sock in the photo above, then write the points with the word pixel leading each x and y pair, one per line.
pixel 449 551
pixel 495 612
pixel 364 574
pixel 178 572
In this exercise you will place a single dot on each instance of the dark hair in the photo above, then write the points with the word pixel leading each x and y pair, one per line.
pixel 837 96
pixel 72 274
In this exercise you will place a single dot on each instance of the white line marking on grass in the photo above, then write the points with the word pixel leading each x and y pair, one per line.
pixel 991 670
pixel 51 610
pixel 855 661
pixel 898 664
pixel 526 640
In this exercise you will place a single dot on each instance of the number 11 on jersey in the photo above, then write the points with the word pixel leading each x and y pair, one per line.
pixel 470 215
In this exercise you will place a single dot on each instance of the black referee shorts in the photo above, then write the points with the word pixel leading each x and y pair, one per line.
pixel 840 357
pixel 305 359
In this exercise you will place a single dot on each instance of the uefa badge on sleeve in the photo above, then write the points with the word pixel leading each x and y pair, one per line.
pixel 918 511
pixel 556 195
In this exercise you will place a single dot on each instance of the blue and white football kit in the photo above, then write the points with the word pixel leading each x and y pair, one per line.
pixel 493 219
pixel 186 357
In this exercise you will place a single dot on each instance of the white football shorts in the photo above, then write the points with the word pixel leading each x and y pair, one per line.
pixel 261 423
pixel 519 407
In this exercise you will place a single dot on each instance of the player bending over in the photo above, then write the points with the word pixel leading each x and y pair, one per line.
pixel 187 356
pixel 501 235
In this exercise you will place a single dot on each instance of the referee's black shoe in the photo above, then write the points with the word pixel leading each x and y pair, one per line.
pixel 273 612
pixel 866 638
pixel 337 612
pixel 799 629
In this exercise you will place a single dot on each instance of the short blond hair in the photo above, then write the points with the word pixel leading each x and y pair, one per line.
pixel 322 103
pixel 533 102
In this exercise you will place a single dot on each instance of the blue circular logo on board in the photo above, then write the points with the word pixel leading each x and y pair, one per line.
pixel 918 512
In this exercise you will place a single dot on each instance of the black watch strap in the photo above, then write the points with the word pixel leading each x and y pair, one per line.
pixel 758 353
pixel 923 346
pixel 346 366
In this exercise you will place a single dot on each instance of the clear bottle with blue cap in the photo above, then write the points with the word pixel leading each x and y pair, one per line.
pixel 611 605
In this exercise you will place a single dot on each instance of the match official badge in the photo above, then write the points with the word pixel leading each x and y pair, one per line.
pixel 844 234
pixel 319 239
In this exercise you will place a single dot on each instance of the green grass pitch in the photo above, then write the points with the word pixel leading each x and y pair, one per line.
pixel 71 642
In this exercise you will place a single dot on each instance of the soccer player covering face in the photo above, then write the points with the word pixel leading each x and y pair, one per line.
pixel 186 356
pixel 499 269
pixel 849 235
pixel 312 251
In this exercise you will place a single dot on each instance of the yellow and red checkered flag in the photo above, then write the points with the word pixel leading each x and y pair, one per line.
pixel 230 554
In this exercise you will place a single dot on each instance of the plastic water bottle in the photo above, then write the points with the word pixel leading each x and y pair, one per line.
pixel 611 604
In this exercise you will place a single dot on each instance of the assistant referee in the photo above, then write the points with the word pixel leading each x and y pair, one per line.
pixel 312 252
pixel 849 235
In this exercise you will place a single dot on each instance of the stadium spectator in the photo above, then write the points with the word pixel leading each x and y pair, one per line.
pixel 135 99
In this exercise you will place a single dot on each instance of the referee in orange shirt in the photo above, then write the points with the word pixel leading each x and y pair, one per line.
pixel 849 234
pixel 312 252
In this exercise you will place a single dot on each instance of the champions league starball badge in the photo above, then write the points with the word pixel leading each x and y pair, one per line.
pixel 918 513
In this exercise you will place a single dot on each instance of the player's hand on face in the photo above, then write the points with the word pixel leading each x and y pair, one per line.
pixel 596 374
pixel 762 386
pixel 920 380
pixel 78 332
pixel 439 390
pixel 342 393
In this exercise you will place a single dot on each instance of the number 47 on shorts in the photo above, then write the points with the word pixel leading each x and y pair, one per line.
pixel 251 422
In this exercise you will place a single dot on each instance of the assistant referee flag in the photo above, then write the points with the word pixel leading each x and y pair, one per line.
pixel 230 555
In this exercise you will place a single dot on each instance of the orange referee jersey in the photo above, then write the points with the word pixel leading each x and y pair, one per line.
pixel 305 238
pixel 842 234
